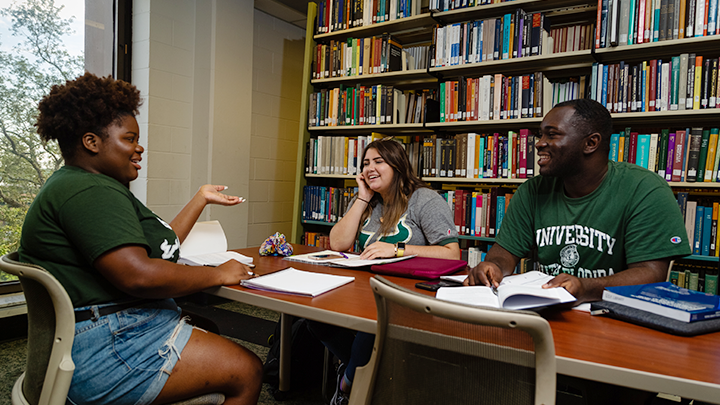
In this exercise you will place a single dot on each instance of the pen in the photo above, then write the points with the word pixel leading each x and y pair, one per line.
pixel 343 255
pixel 494 290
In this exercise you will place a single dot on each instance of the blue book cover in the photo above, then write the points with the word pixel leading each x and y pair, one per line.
pixel 614 145
pixel 643 150
pixel 506 36
pixel 481 157
pixel 706 228
pixel 666 299
pixel 656 26
pixel 699 215
pixel 604 85
pixel 500 212
pixel 593 81
pixel 473 214
pixel 498 33
pixel 643 93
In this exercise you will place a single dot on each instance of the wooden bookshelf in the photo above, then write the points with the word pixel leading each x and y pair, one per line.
pixel 554 66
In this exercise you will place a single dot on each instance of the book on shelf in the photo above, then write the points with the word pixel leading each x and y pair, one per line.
pixel 206 245
pixel 520 291
pixel 341 259
pixel 666 299
pixel 298 282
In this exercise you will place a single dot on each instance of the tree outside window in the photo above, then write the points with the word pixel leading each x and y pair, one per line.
pixel 33 57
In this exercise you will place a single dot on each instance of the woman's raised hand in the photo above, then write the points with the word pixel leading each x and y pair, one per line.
pixel 364 192
pixel 212 194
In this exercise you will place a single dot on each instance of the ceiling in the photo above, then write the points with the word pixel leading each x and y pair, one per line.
pixel 291 11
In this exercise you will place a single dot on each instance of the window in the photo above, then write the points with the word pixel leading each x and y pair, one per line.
pixel 42 43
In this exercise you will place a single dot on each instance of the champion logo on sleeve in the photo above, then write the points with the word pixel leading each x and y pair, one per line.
pixel 676 239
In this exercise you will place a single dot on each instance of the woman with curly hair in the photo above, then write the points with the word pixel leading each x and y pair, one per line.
pixel 117 261
pixel 393 214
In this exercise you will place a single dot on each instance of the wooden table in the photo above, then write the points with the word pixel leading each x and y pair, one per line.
pixel 590 347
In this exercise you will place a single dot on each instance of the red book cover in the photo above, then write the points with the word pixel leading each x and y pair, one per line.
pixel 632 151
pixel 523 162
pixel 679 153
pixel 458 210
pixel 478 215
pixel 653 85
pixel 492 211
pixel 495 155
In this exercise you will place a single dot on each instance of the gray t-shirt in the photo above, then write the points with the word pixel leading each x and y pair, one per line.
pixel 427 221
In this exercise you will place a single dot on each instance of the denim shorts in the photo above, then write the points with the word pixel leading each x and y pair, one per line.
pixel 126 357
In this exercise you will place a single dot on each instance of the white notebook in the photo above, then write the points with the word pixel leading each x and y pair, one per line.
pixel 294 281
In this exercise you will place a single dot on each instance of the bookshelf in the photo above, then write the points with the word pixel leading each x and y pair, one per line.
pixel 554 66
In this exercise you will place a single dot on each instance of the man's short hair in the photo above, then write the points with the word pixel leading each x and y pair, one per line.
pixel 590 117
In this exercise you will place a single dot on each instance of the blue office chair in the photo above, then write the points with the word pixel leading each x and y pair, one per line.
pixel 429 351
pixel 51 330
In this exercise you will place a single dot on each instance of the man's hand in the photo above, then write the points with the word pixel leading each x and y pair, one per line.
pixel 572 284
pixel 485 273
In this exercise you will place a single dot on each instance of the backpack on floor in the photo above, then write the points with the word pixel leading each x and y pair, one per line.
pixel 306 366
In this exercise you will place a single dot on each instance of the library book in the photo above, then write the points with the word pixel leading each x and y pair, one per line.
pixel 666 299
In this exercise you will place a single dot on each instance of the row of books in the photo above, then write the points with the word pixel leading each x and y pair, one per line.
pixel 492 97
pixel 570 88
pixel 685 155
pixel 701 225
pixel 357 56
pixel 686 82
pixel 513 35
pixel 506 155
pixel 371 105
pixel 447 5
pixel 327 204
pixel 572 38
pixel 628 22
pixel 695 277
pixel 336 15
pixel 318 239
pixel 478 213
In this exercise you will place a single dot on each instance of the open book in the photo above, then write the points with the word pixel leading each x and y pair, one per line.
pixel 206 245
pixel 521 291
pixel 293 281
pixel 340 259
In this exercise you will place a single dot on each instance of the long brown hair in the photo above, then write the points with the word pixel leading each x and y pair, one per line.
pixel 404 183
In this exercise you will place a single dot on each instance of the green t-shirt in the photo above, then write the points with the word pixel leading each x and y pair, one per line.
pixel 631 217
pixel 76 217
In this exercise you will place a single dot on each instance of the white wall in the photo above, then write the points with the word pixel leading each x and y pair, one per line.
pixel 192 61
pixel 277 74
pixel 221 86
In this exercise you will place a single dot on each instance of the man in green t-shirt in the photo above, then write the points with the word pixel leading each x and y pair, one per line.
pixel 594 222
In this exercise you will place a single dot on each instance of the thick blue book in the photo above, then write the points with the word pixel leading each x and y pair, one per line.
pixel 666 299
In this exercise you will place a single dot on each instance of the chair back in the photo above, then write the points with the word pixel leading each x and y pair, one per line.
pixel 51 329
pixel 435 352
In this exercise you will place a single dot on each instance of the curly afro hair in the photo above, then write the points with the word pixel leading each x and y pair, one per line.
pixel 86 104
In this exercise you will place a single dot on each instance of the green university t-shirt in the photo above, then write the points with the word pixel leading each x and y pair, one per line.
pixel 76 217
pixel 631 217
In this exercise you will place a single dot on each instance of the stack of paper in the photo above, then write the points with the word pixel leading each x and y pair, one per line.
pixel 206 245
pixel 294 281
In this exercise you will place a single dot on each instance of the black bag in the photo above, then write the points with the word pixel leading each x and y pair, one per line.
pixel 306 365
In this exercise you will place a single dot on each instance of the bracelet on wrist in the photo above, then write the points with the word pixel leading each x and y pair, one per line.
pixel 365 201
